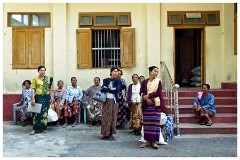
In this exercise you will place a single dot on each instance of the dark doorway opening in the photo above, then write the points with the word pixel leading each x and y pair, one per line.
pixel 188 51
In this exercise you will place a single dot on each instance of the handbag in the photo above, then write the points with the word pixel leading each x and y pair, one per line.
pixel 163 118
pixel 52 115
pixel 99 96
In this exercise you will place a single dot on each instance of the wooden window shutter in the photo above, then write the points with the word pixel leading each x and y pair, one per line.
pixel 19 48
pixel 84 48
pixel 128 47
pixel 36 47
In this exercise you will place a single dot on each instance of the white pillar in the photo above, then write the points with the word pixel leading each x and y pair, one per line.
pixel 59 23
pixel 153 34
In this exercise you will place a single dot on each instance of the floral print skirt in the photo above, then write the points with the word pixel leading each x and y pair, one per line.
pixel 136 117
pixel 40 119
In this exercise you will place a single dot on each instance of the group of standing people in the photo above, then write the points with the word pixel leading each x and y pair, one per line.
pixel 144 100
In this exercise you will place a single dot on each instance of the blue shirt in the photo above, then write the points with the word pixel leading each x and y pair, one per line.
pixel 74 92
pixel 206 102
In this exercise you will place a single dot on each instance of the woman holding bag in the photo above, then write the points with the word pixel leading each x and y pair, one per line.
pixel 152 104
pixel 111 86
pixel 41 91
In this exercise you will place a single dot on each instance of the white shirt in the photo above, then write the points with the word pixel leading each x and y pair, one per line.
pixel 110 95
pixel 135 93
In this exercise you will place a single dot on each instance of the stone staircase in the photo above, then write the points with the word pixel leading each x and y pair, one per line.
pixel 224 121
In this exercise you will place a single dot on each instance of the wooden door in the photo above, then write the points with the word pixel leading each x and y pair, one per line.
pixel 186 56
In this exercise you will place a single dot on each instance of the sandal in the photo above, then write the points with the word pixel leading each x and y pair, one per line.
pixel 137 133
pixel 145 144
pixel 24 124
pixel 44 131
pixel 111 138
pixel 57 125
pixel 32 132
pixel 74 125
pixel 65 125
pixel 154 145
pixel 104 137
pixel 209 124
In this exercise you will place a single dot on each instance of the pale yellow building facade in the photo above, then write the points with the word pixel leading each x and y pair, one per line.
pixel 154 42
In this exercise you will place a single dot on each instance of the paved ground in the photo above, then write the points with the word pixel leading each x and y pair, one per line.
pixel 84 141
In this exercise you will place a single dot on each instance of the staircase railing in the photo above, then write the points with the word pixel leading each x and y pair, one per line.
pixel 171 94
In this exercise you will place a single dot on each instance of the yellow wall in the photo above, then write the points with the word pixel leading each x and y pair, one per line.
pixel 13 78
pixel 154 42
pixel 60 43
pixel 138 15
pixel 220 61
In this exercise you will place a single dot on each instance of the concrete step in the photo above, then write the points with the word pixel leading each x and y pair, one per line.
pixel 216 128
pixel 216 93
pixel 228 85
pixel 218 118
pixel 187 109
pixel 217 100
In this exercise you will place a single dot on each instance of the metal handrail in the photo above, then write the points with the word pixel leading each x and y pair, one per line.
pixel 171 94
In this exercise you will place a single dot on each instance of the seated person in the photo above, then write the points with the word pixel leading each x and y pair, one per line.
pixel 204 106
pixel 73 97
pixel 59 100
pixel 26 99
pixel 94 108
pixel 94 113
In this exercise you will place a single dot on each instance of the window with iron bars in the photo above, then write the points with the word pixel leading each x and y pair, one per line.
pixel 105 48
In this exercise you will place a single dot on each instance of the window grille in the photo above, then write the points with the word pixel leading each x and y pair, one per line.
pixel 105 48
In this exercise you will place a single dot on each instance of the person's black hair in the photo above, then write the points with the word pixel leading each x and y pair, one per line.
pixel 113 68
pixel 135 75
pixel 60 81
pixel 97 78
pixel 208 86
pixel 141 77
pixel 120 71
pixel 40 67
pixel 29 82
pixel 73 78
pixel 151 68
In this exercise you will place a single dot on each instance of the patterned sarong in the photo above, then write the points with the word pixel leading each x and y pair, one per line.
pixel 40 119
pixel 136 117
pixel 151 119
pixel 109 117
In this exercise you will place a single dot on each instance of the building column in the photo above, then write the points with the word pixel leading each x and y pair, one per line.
pixel 153 34
pixel 59 35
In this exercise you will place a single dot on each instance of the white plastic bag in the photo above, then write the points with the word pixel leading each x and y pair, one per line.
pixel 161 140
pixel 52 115
pixel 163 118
